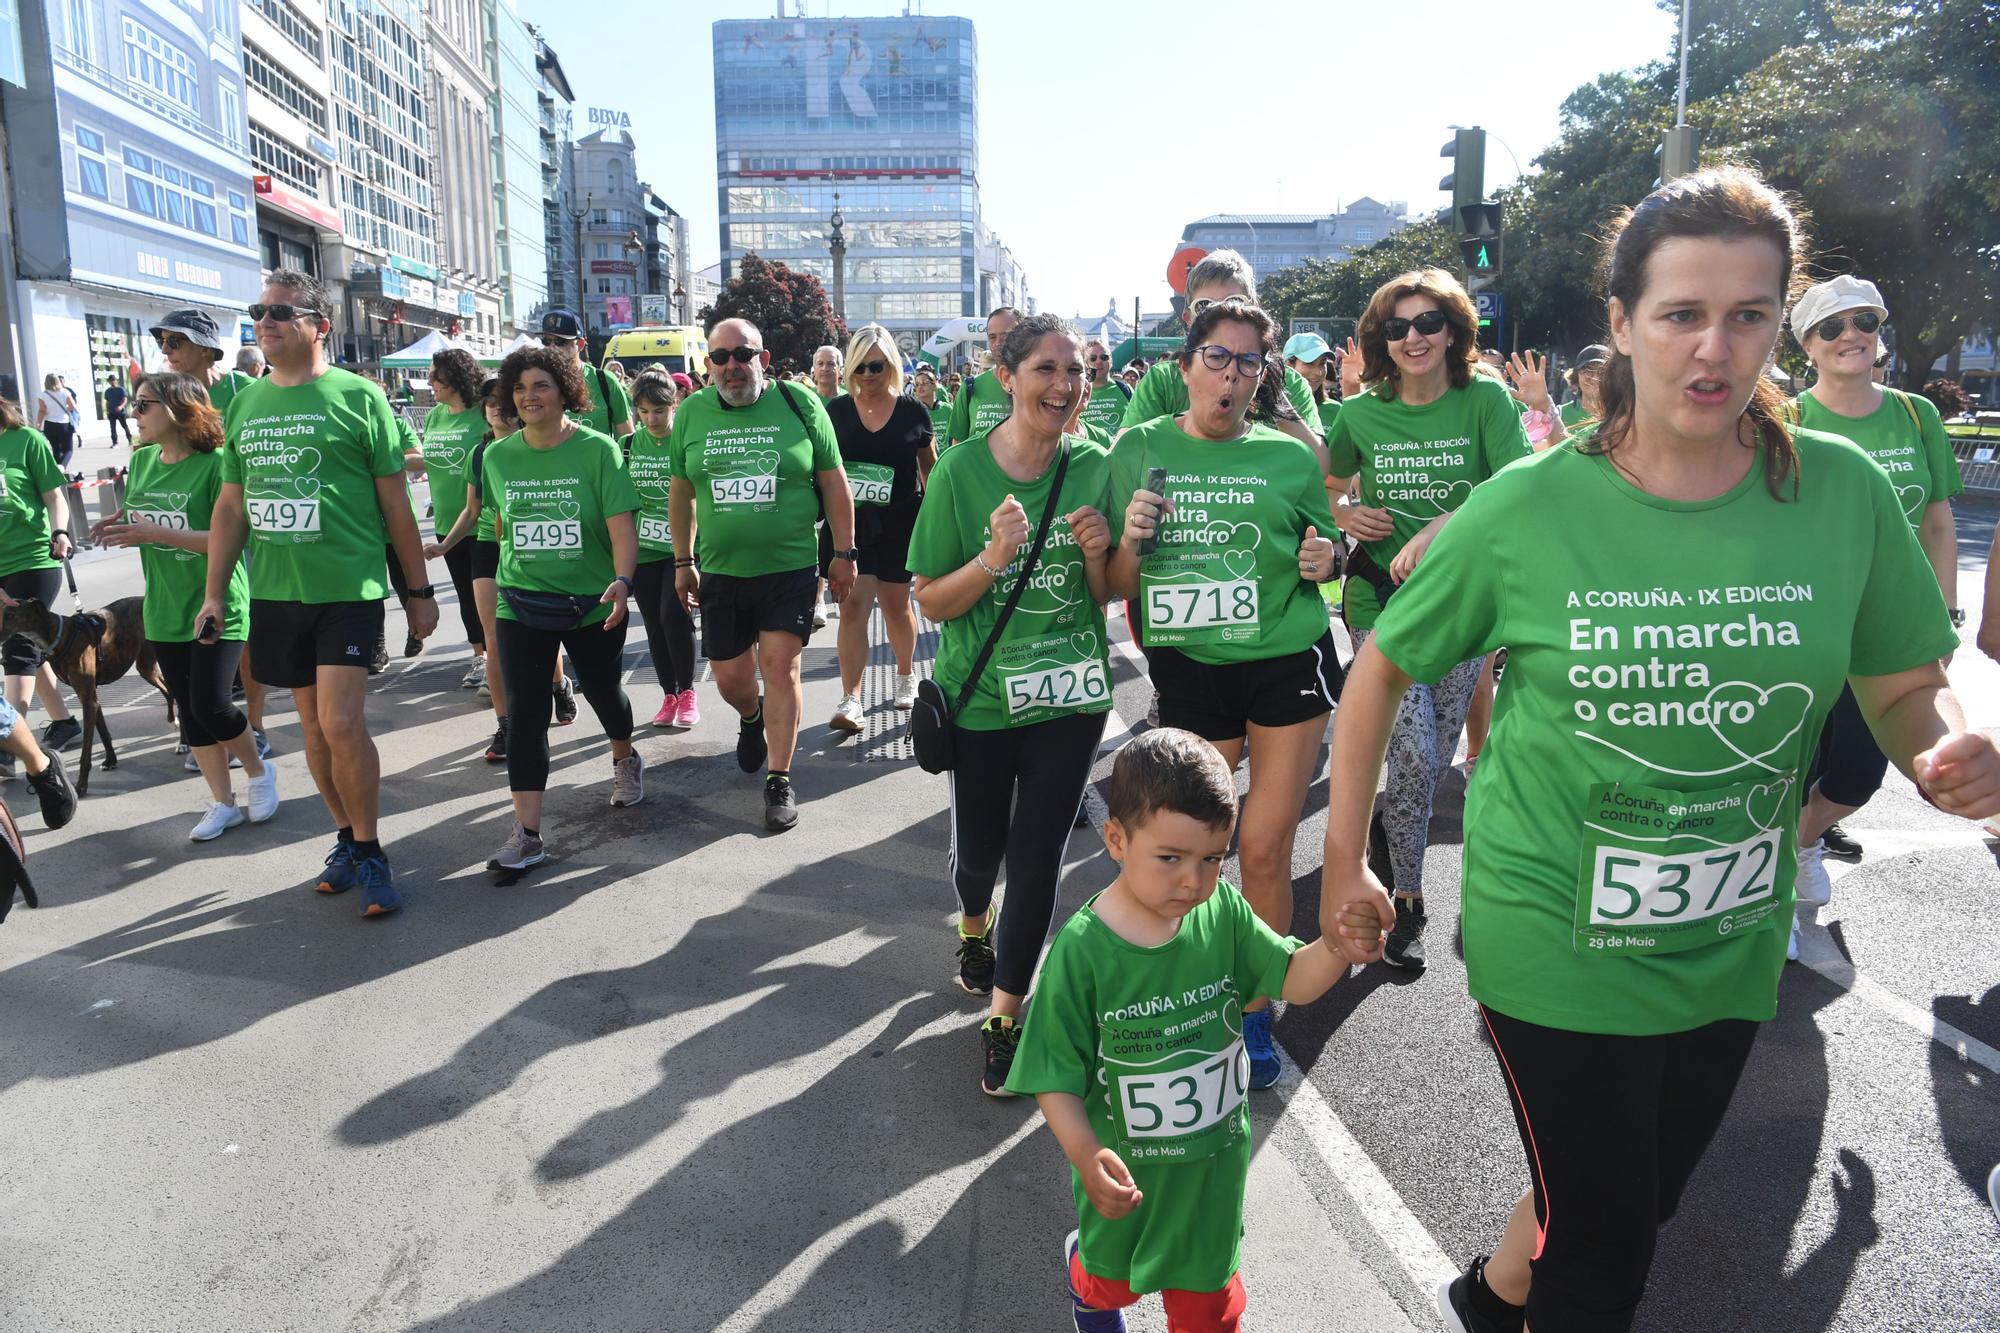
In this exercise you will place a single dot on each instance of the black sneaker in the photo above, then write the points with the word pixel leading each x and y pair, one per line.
pixel 1461 1314
pixel 53 790
pixel 1405 947
pixel 378 661
pixel 1839 844
pixel 565 695
pixel 975 959
pixel 412 645
pixel 496 751
pixel 781 805
pixel 62 734
pixel 751 747
pixel 999 1038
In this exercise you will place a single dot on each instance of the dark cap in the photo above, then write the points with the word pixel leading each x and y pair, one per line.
pixel 197 326
pixel 562 322
pixel 1594 355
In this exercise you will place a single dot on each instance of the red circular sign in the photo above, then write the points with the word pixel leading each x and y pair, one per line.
pixel 1184 259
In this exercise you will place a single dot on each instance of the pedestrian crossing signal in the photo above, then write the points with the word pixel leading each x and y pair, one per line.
pixel 1482 255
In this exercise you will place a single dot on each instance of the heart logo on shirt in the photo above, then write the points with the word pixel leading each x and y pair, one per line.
pixel 1085 643
pixel 568 508
pixel 1912 498
pixel 1756 723
pixel 1766 803
pixel 449 457
pixel 176 500
pixel 307 486
pixel 1221 535
pixel 304 459
pixel 1241 564
pixel 764 462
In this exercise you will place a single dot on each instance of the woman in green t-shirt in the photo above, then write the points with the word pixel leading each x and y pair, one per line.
pixel 1629 836
pixel 669 627
pixel 1027 730
pixel 452 430
pixel 169 498
pixel 563 514
pixel 34 540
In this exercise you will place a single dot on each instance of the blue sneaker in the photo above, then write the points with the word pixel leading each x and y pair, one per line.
pixel 1089 1319
pixel 338 875
pixel 1265 1062
pixel 378 887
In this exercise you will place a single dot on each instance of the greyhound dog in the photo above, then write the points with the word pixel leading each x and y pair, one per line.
pixel 86 651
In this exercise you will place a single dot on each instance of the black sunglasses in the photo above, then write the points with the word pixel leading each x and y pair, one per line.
pixel 143 404
pixel 871 367
pixel 170 342
pixel 1865 321
pixel 1396 328
pixel 280 312
pixel 556 340
pixel 742 356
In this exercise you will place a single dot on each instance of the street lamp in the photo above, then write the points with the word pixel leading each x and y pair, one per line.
pixel 576 217
pixel 838 245
pixel 680 302
pixel 1242 218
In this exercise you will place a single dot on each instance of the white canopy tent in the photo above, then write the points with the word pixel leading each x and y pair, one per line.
pixel 417 356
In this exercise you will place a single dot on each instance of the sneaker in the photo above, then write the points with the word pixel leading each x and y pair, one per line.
pixel 378 886
pixel 189 765
pixel 262 795
pixel 999 1038
pixel 337 876
pixel 62 733
pixel 906 692
pixel 819 615
pixel 52 788
pixel 519 851
pixel 9 767
pixel 690 711
pixel 628 780
pixel 1993 1191
pixel 221 816
pixel 565 696
pixel 975 958
pixel 1405 945
pixel 1089 1319
pixel 496 749
pixel 475 675
pixel 751 747
pixel 1815 887
pixel 670 712
pixel 378 661
pixel 1460 1315
pixel 263 743
pixel 412 645
pixel 847 715
pixel 1265 1062
pixel 485 688
pixel 1839 844
pixel 1792 944
pixel 781 804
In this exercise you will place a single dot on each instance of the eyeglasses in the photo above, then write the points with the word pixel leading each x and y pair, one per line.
pixel 742 356
pixel 144 404
pixel 281 313
pixel 1431 322
pixel 1217 357
pixel 170 342
pixel 1865 321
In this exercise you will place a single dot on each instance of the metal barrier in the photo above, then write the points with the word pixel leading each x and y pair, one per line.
pixel 1978 463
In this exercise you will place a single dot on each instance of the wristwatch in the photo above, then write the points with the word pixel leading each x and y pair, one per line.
pixel 852 555
pixel 427 591
pixel 1958 617
pixel 630 586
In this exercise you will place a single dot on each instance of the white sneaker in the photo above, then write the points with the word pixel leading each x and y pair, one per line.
pixel 475 675
pixel 847 717
pixel 218 818
pixel 1814 886
pixel 819 616
pixel 906 691
pixel 263 794
pixel 189 763
pixel 1792 945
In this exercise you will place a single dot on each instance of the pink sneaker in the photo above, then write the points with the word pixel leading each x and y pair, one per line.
pixel 690 711
pixel 670 713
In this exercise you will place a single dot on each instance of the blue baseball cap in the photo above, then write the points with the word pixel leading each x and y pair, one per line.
pixel 562 322
pixel 1306 347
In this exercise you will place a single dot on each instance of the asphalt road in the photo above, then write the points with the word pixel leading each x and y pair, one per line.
pixel 690 1075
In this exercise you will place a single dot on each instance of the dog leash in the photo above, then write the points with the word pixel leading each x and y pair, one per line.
pixel 75 597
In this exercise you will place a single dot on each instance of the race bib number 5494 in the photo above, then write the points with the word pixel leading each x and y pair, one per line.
pixel 743 490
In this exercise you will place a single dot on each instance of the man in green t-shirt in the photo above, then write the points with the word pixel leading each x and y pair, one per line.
pixel 1105 408
pixel 984 404
pixel 754 463
pixel 610 406
pixel 312 479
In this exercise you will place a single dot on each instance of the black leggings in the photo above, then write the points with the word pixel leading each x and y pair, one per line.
pixel 1848 766
pixel 1613 1127
pixel 199 676
pixel 19 657
pixel 528 664
pixel 397 582
pixel 458 561
pixel 1014 795
pixel 669 627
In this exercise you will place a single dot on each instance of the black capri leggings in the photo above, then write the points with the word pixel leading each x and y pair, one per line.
pixel 1848 766
pixel 1014 795
pixel 528 663
pixel 458 560
pixel 669 627
pixel 199 675
pixel 19 657
pixel 1613 1127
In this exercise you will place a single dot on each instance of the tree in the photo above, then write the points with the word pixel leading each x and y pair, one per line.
pixel 788 307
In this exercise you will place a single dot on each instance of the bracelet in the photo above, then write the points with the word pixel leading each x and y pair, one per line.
pixel 991 573
pixel 683 562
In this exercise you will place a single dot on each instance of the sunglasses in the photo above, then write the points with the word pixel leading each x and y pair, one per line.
pixel 871 367
pixel 1865 321
pixel 557 340
pixel 1196 307
pixel 144 404
pixel 1097 360
pixel 1217 357
pixel 170 342
pixel 1395 328
pixel 281 313
pixel 742 356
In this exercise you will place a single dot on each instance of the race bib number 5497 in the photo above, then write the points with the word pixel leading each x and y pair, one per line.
pixel 283 516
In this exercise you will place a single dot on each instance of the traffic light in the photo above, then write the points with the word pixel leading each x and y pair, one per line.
pixel 1478 228
pixel 1467 181
pixel 1482 256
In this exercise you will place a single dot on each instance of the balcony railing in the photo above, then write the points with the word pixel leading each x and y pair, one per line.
pixel 147 98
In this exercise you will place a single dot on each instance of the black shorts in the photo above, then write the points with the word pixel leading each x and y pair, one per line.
pixel 291 641
pixel 734 611
pixel 18 654
pixel 1217 703
pixel 485 559
pixel 885 553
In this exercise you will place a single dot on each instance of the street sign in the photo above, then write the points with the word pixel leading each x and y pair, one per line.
pixel 1492 308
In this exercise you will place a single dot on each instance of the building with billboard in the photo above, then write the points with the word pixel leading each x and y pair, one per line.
pixel 884 114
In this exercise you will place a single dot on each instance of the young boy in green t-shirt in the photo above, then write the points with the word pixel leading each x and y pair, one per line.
pixel 1135 1041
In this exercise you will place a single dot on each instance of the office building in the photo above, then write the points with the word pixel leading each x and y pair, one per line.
pixel 521 243
pixel 1271 241
pixel 553 100
pixel 289 102
pixel 462 80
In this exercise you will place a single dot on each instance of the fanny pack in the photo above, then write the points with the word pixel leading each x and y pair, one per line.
pixel 1361 565
pixel 554 612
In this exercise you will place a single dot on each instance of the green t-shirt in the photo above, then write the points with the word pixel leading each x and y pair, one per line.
pixel 752 469
pixel 552 507
pixel 979 407
pixel 1095 437
pixel 1420 462
pixel 307 458
pixel 448 440
pixel 940 419
pixel 1572 414
pixel 1163 393
pixel 1913 450
pixel 650 464
pixel 1329 412
pixel 27 472
pixel 181 496
pixel 1629 837
pixel 224 391
pixel 1054 658
pixel 1152 1040
pixel 1106 408
pixel 1223 584
pixel 610 405
pixel 483 527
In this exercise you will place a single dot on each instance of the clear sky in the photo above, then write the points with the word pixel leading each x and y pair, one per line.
pixel 1097 141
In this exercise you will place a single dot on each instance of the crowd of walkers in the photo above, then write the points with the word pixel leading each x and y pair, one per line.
pixel 1722 615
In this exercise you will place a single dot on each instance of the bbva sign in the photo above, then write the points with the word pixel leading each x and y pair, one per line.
pixel 604 115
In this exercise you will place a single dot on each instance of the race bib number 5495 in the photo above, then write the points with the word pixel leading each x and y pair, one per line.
pixel 554 534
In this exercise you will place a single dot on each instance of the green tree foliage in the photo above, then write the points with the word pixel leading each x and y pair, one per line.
pixel 789 308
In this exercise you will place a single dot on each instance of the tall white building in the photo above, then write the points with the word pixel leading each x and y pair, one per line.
pixel 463 67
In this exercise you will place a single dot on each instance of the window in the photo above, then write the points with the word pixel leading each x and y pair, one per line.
pixel 160 65
pixel 229 109
pixel 277 83
pixel 76 28
pixel 91 177
pixel 284 162
pixel 293 23
pixel 140 195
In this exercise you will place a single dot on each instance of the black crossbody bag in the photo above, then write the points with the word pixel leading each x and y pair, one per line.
pixel 931 733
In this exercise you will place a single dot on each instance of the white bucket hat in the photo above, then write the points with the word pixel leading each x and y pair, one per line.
pixel 1833 297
